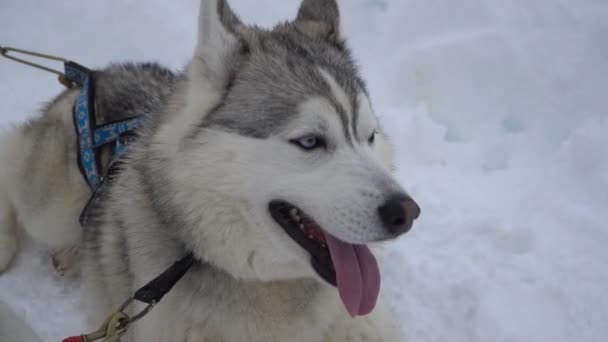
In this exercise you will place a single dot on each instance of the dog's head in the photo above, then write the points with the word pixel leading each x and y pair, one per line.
pixel 280 163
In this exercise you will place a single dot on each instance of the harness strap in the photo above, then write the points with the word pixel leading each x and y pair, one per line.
pixel 84 119
pixel 112 132
pixel 75 72
pixel 91 137
pixel 156 289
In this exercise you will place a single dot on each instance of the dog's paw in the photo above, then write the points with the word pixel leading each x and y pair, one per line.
pixel 65 261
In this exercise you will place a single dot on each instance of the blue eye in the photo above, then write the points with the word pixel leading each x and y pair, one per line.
pixel 309 142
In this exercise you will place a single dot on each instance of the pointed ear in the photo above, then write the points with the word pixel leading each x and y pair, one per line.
pixel 217 40
pixel 320 19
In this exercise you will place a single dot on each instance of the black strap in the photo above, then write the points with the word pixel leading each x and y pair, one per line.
pixel 155 290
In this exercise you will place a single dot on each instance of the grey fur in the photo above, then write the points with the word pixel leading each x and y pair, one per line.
pixel 127 90
pixel 230 20
pixel 278 72
pixel 320 19
pixel 319 11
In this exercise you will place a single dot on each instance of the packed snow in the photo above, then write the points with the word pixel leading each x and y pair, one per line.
pixel 498 110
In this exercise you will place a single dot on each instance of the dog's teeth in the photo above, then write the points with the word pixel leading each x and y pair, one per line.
pixel 294 215
pixel 323 245
pixel 310 236
pixel 302 226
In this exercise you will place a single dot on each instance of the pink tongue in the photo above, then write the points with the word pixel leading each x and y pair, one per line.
pixel 357 274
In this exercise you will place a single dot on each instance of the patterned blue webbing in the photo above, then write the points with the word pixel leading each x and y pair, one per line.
pixel 90 136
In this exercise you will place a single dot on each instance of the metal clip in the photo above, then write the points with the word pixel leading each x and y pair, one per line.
pixel 117 324
pixel 139 315
pixel 111 330
pixel 5 50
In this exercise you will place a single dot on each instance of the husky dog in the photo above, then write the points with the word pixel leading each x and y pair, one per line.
pixel 264 159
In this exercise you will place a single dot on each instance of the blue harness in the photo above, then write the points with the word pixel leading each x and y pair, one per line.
pixel 91 137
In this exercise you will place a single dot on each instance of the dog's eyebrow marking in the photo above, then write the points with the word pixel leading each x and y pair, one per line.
pixel 364 109
pixel 340 101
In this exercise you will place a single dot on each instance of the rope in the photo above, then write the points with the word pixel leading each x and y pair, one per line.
pixel 5 50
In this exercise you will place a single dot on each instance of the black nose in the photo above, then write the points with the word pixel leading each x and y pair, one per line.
pixel 398 214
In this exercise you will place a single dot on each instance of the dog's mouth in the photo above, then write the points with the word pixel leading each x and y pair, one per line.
pixel 352 268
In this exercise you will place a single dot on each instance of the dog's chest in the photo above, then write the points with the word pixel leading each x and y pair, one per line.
pixel 227 323
pixel 229 330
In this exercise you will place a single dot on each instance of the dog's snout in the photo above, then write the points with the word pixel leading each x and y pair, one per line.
pixel 398 214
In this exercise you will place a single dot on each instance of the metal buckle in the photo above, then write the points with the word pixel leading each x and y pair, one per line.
pixel 117 324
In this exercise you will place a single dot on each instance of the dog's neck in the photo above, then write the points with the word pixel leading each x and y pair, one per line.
pixel 214 298
pixel 276 298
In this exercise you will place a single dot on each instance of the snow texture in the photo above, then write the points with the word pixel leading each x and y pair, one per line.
pixel 497 110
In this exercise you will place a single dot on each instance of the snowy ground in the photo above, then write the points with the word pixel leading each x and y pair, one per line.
pixel 498 111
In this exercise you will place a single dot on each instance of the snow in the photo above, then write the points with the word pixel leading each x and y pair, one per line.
pixel 498 113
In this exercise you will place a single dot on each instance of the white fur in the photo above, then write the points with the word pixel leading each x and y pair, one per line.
pixel 13 328
pixel 8 219
pixel 339 94
pixel 42 194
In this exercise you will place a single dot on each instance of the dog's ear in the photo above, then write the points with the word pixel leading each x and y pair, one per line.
pixel 320 19
pixel 217 41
